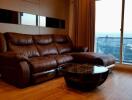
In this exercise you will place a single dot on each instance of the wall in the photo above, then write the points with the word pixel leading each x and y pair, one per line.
pixel 51 8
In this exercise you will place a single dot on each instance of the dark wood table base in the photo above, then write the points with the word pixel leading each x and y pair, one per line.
pixel 85 80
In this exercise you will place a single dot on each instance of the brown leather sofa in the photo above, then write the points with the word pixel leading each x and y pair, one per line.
pixel 30 59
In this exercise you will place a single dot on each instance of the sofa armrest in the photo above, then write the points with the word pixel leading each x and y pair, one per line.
pixel 14 69
pixel 80 49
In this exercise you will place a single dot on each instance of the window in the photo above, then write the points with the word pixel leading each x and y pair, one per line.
pixel 109 39
pixel 108 20
pixel 127 38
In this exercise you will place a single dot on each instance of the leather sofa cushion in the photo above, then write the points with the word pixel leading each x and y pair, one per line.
pixel 43 39
pixel 47 49
pixel 60 38
pixel 40 64
pixel 19 39
pixel 45 63
pixel 22 44
pixel 63 43
pixel 101 59
pixel 45 45
pixel 28 50
pixel 94 58
pixel 64 48
pixel 61 59
pixel 3 47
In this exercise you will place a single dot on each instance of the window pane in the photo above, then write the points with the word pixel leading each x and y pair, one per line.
pixel 127 45
pixel 108 19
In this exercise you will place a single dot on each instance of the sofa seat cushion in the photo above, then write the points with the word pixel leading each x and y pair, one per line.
pixel 61 59
pixel 101 59
pixel 94 58
pixel 40 64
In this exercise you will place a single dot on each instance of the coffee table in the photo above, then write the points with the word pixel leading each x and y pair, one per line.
pixel 84 76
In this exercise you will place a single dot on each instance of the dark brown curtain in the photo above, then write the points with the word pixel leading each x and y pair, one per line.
pixel 76 20
pixel 83 23
pixel 90 30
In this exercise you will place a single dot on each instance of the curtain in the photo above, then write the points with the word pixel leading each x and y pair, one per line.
pixel 90 31
pixel 83 23
pixel 73 20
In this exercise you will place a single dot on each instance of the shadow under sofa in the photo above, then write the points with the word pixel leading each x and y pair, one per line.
pixel 31 59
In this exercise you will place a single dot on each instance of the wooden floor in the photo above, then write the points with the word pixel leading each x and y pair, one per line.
pixel 118 86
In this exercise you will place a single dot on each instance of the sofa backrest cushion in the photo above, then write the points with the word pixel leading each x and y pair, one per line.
pixel 63 43
pixel 58 38
pixel 19 39
pixel 22 44
pixel 3 47
pixel 43 39
pixel 38 45
pixel 45 45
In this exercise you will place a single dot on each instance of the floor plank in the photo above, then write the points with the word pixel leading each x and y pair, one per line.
pixel 118 86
